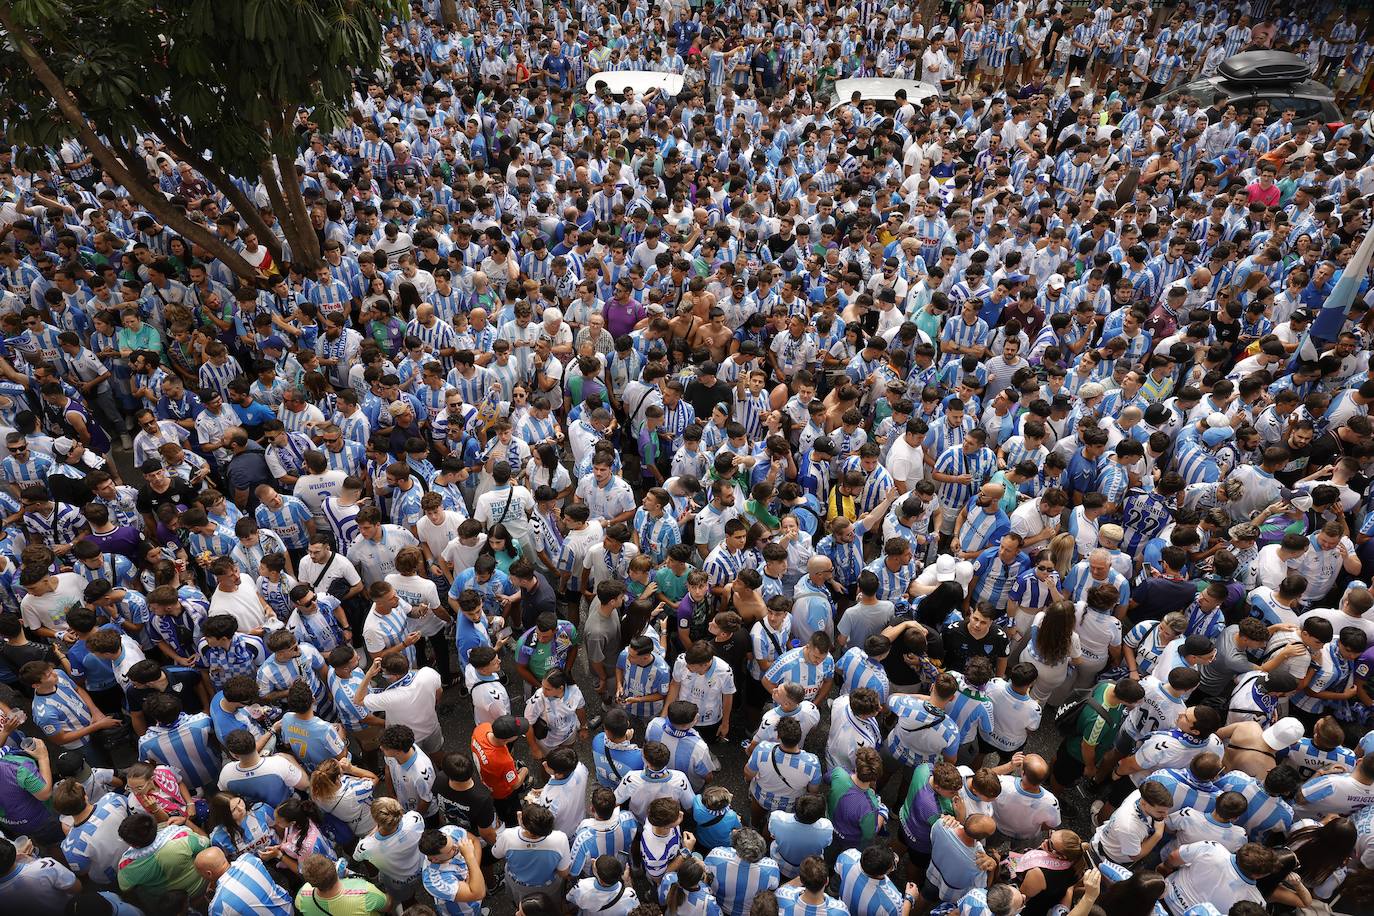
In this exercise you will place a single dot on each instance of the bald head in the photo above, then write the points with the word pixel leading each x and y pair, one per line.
pixel 1034 769
pixel 980 826
pixel 819 566
pixel 211 863
pixel 995 490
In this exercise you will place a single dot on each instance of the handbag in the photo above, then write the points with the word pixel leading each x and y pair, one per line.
pixel 338 588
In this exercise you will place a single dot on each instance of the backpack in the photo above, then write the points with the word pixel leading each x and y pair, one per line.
pixel 1066 723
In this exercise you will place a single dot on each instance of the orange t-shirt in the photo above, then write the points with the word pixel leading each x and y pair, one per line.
pixel 494 762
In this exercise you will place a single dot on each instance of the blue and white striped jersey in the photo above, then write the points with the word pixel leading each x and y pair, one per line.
pixel 856 670
pixel 690 752
pixel 641 681
pixel 247 889
pixel 255 832
pixel 187 746
pixel 444 882
pixel 594 838
pixel 657 851
pixel 862 894
pixel 794 667
pixel 1310 759
pixel 287 521
pixel 735 882
pixel 93 847
pixel 1187 790
pixel 790 903
pixel 779 777
pixel 63 710
pixel 923 731
pixel 1265 813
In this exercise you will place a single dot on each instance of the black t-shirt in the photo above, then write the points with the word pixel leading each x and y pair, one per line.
pixel 1301 461
pixel 1325 450
pixel 471 808
pixel 539 599
pixel 703 398
pixel 960 645
pixel 181 683
pixel 179 493
pixel 734 651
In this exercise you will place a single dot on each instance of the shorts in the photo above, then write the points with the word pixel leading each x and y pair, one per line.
pixel 1124 744
pixel 400 889
pixel 432 743
pixel 968 67
pixel 1067 769
pixel 1078 64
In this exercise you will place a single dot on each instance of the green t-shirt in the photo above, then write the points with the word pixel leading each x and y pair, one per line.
pixel 929 323
pixel 357 897
pixel 169 865
pixel 670 586
pixel 840 784
pixel 145 338
pixel 1095 730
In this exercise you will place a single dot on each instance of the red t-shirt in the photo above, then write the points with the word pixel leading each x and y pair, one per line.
pixel 495 764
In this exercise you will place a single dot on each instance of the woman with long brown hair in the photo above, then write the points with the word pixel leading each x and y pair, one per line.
pixel 1053 646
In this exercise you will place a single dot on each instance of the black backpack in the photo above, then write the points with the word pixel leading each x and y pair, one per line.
pixel 1066 723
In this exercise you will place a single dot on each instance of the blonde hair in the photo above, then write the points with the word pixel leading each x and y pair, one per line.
pixel 387 813
pixel 1061 552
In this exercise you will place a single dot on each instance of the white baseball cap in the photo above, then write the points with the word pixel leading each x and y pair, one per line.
pixel 1284 733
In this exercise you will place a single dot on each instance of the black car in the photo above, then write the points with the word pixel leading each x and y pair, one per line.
pixel 1277 77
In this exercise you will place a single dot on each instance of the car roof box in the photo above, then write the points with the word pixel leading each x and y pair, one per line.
pixel 1259 67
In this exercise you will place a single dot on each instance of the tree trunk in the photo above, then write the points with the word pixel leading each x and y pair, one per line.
pixel 448 11
pixel 218 177
pixel 300 232
pixel 143 191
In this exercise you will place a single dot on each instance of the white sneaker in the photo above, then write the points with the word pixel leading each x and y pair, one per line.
pixel 1096 811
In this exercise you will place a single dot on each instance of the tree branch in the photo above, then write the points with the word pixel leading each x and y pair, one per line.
pixel 220 178
pixel 143 190
pixel 305 244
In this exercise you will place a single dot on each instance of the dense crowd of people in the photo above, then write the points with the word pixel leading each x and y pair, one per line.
pixel 791 506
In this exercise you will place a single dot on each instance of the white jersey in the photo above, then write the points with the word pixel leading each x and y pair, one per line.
pixel 707 690
pixel 1014 716
pixel 489 698
pixel 848 733
pixel 1023 813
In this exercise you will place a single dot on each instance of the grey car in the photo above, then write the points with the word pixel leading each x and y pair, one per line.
pixel 1277 77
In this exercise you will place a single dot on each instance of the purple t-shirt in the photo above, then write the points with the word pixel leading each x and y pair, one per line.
pixel 1364 667
pixel 123 540
pixel 621 319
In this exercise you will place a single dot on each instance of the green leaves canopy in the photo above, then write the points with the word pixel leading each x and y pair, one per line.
pixel 227 75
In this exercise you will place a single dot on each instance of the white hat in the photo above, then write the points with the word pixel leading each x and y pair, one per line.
pixel 1056 281
pixel 1218 421
pixel 1284 733
pixel 946 568
pixel 62 446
